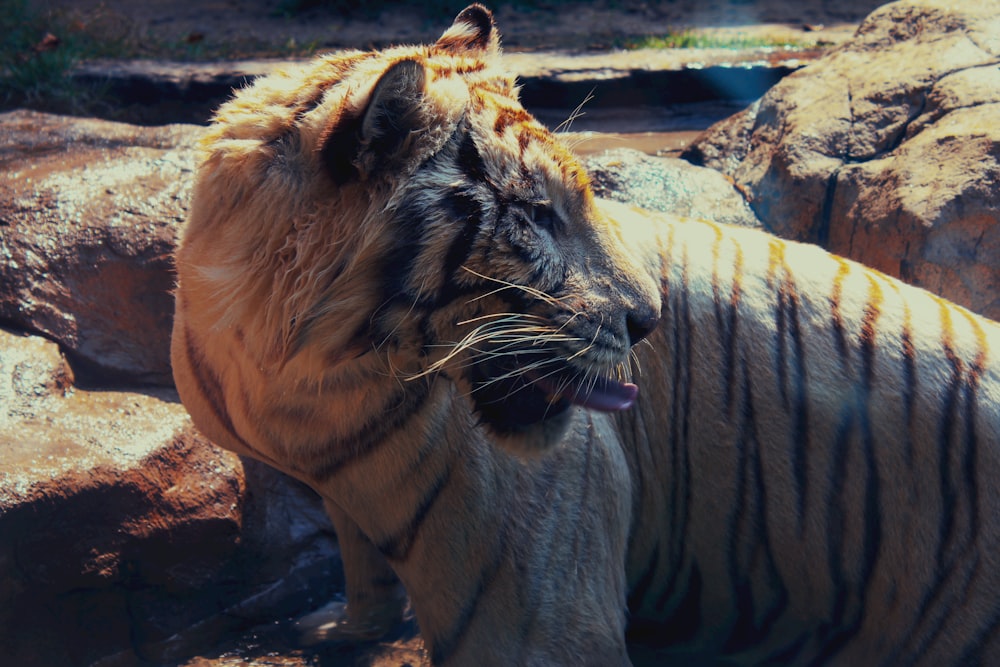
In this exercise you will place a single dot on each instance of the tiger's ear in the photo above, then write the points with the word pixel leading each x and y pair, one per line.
pixel 472 33
pixel 381 137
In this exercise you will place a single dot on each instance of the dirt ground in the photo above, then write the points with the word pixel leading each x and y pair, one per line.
pixel 238 28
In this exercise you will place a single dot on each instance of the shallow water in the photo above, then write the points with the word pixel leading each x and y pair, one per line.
pixel 653 130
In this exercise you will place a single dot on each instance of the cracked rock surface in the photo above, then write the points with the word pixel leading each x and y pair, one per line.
pixel 88 217
pixel 886 150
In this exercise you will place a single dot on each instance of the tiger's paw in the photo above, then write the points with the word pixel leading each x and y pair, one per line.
pixel 335 622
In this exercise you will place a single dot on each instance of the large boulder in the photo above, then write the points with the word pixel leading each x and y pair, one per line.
pixel 88 214
pixel 125 535
pixel 112 511
pixel 886 150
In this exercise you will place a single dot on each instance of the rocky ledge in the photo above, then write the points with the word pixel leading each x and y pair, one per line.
pixel 152 92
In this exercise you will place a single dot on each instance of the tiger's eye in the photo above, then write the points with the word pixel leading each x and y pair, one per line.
pixel 542 214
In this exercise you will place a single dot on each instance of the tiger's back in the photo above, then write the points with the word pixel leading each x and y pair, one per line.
pixel 828 446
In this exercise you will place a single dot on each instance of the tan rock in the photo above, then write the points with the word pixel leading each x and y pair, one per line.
pixel 88 215
pixel 124 532
pixel 102 495
pixel 887 150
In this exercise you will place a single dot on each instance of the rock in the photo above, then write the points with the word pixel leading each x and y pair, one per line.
pixel 726 143
pixel 886 150
pixel 88 218
pixel 102 495
pixel 668 184
pixel 124 533
pixel 148 91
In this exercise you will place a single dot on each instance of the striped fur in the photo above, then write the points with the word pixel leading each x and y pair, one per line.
pixel 396 286
pixel 818 461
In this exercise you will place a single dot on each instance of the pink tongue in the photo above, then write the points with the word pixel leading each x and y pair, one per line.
pixel 607 396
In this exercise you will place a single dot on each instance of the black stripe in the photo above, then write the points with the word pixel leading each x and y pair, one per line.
pixel 970 453
pixel 837 319
pixel 726 325
pixel 946 520
pixel 799 409
pixel 685 620
pixel 851 600
pixel 872 535
pixel 795 402
pixel 470 161
pixel 909 389
pixel 345 450
pixel 952 546
pixel 442 647
pixel 749 546
pixel 641 587
pixel 680 490
pixel 211 389
pixel 788 654
pixel 464 208
pixel 781 325
pixel 836 529
pixel 943 606
pixel 778 602
pixel 397 547
pixel 987 634
pixel 947 525
pixel 741 633
pixel 398 262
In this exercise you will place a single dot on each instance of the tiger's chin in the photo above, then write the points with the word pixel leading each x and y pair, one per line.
pixel 528 412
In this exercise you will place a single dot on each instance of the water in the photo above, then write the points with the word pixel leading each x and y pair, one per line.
pixel 664 131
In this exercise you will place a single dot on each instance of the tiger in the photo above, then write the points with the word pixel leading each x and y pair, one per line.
pixel 553 425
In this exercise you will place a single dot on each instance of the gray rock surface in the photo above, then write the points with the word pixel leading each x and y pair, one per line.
pixel 886 150
pixel 668 184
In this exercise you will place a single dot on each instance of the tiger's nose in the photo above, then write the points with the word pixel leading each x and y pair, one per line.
pixel 640 325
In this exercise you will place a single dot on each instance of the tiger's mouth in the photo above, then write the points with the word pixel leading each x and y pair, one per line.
pixel 511 398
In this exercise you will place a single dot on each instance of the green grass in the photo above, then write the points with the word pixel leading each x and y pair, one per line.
pixel 691 39
pixel 40 49
pixel 38 52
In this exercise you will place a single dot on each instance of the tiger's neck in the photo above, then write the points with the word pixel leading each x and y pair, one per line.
pixel 414 456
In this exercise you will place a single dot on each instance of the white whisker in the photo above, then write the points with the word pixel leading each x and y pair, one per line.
pixel 576 113
pixel 531 291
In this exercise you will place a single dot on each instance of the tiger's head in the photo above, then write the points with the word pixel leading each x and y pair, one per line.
pixel 403 203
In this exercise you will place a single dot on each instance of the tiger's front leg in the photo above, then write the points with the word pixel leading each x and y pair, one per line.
pixel 375 596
